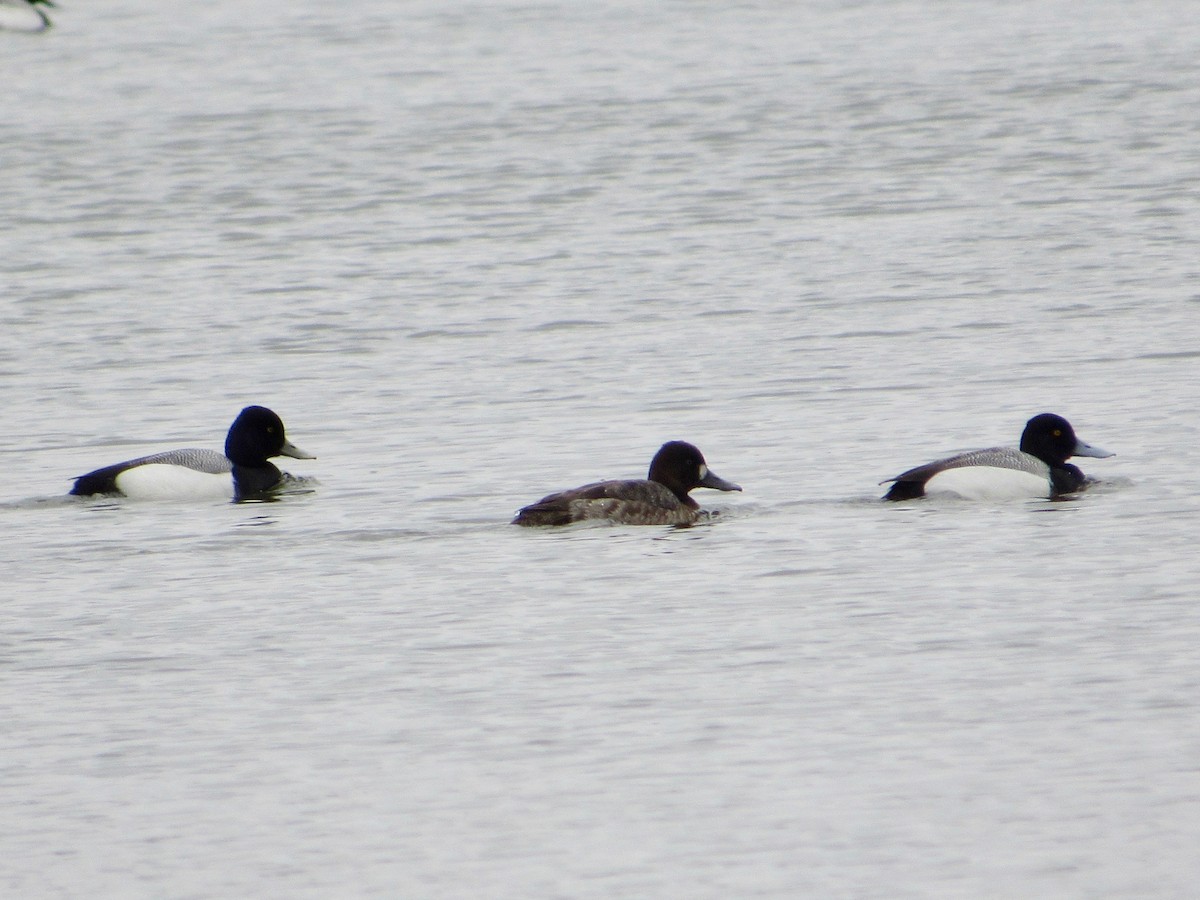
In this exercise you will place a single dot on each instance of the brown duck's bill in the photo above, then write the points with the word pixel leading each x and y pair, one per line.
pixel 712 480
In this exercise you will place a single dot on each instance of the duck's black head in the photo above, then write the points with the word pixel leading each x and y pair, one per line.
pixel 1052 440
pixel 256 435
pixel 680 467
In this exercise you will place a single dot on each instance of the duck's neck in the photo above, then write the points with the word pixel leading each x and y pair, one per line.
pixel 1066 478
pixel 254 481
pixel 679 492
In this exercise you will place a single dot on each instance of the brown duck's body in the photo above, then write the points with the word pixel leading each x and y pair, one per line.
pixel 628 502
pixel 661 499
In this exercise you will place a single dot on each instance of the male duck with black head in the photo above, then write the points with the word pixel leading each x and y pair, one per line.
pixel 244 472
pixel 661 499
pixel 1038 469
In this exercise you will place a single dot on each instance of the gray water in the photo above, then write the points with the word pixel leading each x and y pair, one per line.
pixel 473 253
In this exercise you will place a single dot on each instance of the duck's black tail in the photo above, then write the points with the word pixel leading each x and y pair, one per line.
pixel 905 490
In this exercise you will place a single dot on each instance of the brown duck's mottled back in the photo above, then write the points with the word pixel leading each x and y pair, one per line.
pixel 630 502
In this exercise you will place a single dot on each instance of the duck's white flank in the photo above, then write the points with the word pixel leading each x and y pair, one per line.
pixel 989 483
pixel 167 482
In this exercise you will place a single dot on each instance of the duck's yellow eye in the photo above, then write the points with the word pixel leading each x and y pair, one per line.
pixel 1058 432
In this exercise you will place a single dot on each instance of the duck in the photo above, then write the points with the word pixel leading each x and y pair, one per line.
pixel 243 472
pixel 660 499
pixel 13 15
pixel 1038 469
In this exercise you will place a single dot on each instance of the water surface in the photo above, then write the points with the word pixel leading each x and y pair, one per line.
pixel 473 253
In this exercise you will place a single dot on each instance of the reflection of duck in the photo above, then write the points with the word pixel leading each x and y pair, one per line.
pixel 661 499
pixel 1038 469
pixel 244 472
pixel 13 18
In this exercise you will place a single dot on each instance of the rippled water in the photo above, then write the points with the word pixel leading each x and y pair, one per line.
pixel 476 252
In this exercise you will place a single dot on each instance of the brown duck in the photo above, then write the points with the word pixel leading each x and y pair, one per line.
pixel 661 499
